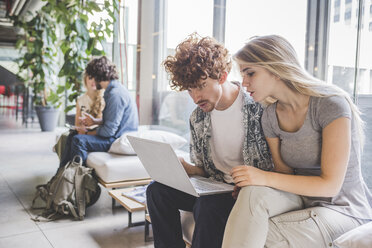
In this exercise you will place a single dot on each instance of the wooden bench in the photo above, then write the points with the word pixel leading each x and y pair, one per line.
pixel 132 206
pixel 124 184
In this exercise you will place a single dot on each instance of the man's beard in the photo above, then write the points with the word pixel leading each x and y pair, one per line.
pixel 207 104
pixel 98 86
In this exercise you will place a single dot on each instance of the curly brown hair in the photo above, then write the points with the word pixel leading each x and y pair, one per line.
pixel 101 69
pixel 197 58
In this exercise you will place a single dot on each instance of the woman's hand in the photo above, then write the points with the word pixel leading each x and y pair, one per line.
pixel 87 120
pixel 248 175
pixel 81 130
pixel 80 122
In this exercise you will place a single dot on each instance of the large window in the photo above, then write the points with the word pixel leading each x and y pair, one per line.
pixel 184 18
pixel 170 23
pixel 173 109
pixel 121 46
pixel 127 39
pixel 245 19
pixel 187 16
pixel 331 41
pixel 341 51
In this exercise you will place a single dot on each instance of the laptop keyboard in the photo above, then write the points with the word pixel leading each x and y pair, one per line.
pixel 201 185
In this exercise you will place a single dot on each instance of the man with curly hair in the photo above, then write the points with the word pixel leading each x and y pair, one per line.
pixel 225 132
pixel 119 115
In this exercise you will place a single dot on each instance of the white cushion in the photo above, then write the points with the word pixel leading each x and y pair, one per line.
pixel 122 145
pixel 116 168
pixel 360 237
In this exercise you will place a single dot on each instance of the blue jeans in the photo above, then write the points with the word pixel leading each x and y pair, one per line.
pixel 210 215
pixel 80 144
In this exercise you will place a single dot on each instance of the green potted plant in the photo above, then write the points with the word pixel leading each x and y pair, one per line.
pixel 78 42
pixel 39 64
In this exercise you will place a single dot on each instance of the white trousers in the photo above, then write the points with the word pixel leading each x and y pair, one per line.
pixel 266 217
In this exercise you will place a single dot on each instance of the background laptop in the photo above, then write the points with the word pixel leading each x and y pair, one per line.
pixel 163 165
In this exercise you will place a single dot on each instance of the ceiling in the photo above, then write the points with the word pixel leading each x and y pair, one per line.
pixel 8 33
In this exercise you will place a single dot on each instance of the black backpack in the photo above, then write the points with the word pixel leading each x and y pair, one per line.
pixel 69 192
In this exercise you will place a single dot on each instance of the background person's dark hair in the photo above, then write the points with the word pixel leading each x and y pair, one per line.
pixel 101 69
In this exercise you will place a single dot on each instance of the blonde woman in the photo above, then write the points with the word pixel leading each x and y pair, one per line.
pixel 316 191
pixel 90 102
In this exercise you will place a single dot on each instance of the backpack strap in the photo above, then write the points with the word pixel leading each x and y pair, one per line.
pixel 77 160
pixel 79 192
pixel 46 216
pixel 54 186
pixel 70 207
pixel 43 191
pixel 39 189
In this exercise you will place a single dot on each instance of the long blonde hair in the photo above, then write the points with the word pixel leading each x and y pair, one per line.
pixel 98 104
pixel 277 55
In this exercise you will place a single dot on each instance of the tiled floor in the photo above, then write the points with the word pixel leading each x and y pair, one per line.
pixel 26 160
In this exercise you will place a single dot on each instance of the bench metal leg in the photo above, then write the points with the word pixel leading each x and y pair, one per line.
pixel 147 232
pixel 113 201
pixel 131 224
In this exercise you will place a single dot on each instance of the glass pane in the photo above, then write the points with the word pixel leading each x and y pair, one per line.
pixel 342 44
pixel 286 18
pixel 127 37
pixel 364 87
pixel 180 24
pixel 96 17
pixel 172 109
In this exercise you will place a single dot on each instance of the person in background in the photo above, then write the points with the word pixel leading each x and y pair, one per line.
pixel 118 116
pixel 314 130
pixel 225 132
pixel 90 102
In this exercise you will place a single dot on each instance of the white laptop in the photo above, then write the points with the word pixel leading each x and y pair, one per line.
pixel 163 165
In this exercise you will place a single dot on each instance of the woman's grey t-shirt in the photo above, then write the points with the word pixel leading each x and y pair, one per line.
pixel 301 151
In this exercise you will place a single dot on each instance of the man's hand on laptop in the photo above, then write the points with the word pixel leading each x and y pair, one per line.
pixel 192 170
